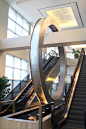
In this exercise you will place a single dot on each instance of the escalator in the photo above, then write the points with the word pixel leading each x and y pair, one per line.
pixel 71 113
pixel 24 93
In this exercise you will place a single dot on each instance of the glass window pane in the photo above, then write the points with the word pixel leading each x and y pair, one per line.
pixel 17 62
pixel 18 30
pixel 11 25
pixel 10 82
pixel 26 25
pixel 20 75
pixel 10 34
pixel 16 74
pixel 16 83
pixel 9 60
pixel 24 64
pixel 25 33
pixel 19 20
pixel 8 72
pixel 12 14
pixel 24 74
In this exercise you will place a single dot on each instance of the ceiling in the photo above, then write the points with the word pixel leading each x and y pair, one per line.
pixel 32 10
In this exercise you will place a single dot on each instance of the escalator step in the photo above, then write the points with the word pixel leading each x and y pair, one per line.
pixel 75 112
pixel 82 74
pixel 75 122
pixel 82 78
pixel 81 89
pixel 79 100
pixel 25 92
pixel 81 108
pixel 82 81
pixel 83 68
pixel 80 92
pixel 81 86
pixel 22 96
pixel 79 96
pixel 73 126
pixel 79 104
pixel 76 117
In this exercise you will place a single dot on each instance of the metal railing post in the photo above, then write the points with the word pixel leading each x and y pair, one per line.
pixel 40 117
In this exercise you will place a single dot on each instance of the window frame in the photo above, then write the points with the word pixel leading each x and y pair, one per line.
pixel 13 68
pixel 17 24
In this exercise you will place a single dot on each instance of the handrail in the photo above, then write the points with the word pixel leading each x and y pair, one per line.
pixel 29 82
pixel 25 94
pixel 19 84
pixel 50 52
pixel 71 91
pixel 9 102
pixel 31 87
pixel 23 88
pixel 27 85
pixel 69 100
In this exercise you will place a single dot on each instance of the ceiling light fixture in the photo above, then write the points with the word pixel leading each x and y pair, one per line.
pixel 65 17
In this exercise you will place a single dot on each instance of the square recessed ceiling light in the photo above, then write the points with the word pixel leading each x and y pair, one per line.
pixel 65 17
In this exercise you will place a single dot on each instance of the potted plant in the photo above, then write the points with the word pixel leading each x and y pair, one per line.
pixel 4 87
pixel 76 53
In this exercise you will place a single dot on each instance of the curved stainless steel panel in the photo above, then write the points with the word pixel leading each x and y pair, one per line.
pixel 36 62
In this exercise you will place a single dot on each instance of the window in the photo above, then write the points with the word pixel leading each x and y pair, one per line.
pixel 16 69
pixel 17 25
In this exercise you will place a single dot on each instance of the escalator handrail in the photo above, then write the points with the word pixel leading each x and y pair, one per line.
pixel 23 89
pixel 19 93
pixel 27 76
pixel 70 97
pixel 32 85
pixel 66 107
pixel 17 85
pixel 49 54
pixel 25 94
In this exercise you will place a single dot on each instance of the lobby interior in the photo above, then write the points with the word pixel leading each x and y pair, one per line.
pixel 17 20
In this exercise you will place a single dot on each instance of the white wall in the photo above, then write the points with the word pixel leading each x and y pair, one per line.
pixel 3 18
pixel 24 54
pixel 70 70
pixel 2 63
pixel 72 62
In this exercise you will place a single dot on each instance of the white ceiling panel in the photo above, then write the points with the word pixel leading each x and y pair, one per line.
pixel 70 14
pixel 32 10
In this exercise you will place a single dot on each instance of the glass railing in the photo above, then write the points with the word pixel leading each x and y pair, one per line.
pixel 18 88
